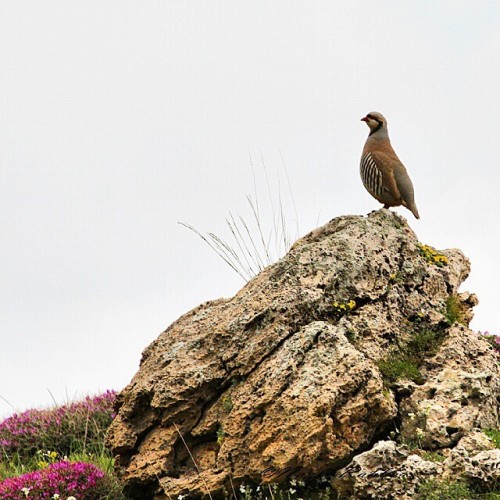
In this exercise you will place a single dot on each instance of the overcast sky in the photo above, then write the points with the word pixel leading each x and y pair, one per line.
pixel 120 118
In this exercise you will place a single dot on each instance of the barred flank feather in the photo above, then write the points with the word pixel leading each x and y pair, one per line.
pixel 371 176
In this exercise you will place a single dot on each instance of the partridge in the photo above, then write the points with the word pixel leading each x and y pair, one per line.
pixel 382 173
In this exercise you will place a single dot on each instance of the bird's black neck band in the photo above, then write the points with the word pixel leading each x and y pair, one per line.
pixel 378 127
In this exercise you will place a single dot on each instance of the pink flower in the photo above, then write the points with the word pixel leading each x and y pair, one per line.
pixel 80 479
pixel 24 432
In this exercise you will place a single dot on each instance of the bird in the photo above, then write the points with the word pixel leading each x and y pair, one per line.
pixel 382 173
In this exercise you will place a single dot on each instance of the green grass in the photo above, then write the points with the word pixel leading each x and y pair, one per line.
pixel 444 490
pixel 254 245
pixel 494 435
pixel 452 490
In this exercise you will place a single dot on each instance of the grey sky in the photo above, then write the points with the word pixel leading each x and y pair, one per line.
pixel 120 118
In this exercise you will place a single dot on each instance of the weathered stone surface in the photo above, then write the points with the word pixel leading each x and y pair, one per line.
pixel 474 458
pixel 460 393
pixel 284 378
pixel 392 472
pixel 386 472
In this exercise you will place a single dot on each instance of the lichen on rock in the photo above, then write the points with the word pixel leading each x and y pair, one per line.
pixel 281 380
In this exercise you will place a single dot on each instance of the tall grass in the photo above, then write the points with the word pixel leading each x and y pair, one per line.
pixel 254 244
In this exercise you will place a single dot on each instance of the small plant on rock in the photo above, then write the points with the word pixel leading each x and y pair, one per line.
pixel 433 456
pixel 431 255
pixel 455 311
pixel 221 434
pixel 227 403
pixel 494 435
pixel 342 308
pixel 424 342
pixel 394 368
pixel 255 244
pixel 404 362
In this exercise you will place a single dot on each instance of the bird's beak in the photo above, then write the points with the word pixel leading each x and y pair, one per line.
pixel 365 119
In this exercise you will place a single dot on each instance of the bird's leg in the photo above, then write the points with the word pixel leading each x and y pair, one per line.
pixel 386 206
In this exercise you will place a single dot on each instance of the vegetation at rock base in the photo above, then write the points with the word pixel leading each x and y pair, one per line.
pixel 291 489
pixel 87 471
pixel 452 490
pixel 441 490
pixel 61 480
pixel 59 452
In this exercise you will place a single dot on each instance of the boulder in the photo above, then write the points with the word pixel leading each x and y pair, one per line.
pixel 295 374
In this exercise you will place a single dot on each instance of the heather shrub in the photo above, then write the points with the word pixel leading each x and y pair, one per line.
pixel 493 339
pixel 61 480
pixel 78 427
pixel 59 453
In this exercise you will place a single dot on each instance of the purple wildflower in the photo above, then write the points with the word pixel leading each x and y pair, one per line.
pixel 79 479
pixel 58 428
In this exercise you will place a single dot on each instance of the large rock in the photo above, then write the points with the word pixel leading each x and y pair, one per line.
pixel 284 377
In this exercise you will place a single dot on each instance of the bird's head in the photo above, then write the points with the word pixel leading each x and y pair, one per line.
pixel 375 121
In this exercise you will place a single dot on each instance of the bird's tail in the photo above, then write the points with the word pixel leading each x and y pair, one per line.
pixel 414 210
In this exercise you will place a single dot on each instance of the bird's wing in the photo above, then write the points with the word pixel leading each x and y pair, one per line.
pixel 404 183
pixel 398 179
pixel 385 164
pixel 405 187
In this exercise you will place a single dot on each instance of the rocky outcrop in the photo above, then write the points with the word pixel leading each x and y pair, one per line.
pixel 348 339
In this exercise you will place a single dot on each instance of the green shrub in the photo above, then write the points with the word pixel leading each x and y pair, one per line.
pixel 424 342
pixel 394 368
